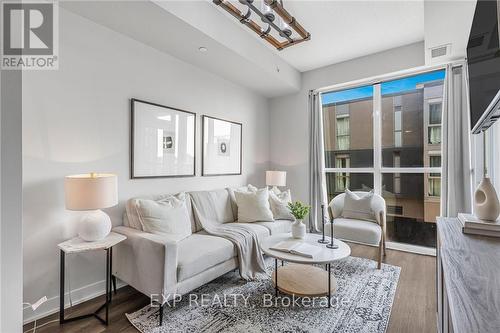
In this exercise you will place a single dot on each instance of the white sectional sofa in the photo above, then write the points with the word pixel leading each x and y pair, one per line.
pixel 163 265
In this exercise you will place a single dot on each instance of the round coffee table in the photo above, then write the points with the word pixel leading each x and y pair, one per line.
pixel 300 278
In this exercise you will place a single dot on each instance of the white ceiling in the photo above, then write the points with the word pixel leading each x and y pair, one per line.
pixel 343 30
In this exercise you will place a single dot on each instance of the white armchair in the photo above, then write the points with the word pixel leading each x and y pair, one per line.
pixel 359 231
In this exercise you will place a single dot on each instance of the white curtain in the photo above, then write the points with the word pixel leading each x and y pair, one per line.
pixel 317 180
pixel 456 192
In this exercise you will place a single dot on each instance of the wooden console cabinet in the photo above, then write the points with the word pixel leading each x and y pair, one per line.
pixel 468 280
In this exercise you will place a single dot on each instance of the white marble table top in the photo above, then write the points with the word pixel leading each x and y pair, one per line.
pixel 75 245
pixel 325 256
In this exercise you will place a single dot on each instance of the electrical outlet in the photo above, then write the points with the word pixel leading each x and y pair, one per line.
pixel 39 302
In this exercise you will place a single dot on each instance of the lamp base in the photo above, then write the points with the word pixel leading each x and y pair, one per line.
pixel 95 225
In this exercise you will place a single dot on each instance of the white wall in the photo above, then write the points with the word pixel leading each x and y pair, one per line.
pixel 11 250
pixel 77 119
pixel 289 116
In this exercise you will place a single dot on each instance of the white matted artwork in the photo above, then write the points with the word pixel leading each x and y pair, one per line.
pixel 163 141
pixel 221 152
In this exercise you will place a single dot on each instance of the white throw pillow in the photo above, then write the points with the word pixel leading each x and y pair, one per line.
pixel 166 216
pixel 253 206
pixel 231 190
pixel 358 207
pixel 279 205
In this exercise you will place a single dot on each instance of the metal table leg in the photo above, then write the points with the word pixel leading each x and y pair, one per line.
pixel 276 277
pixel 329 285
pixel 62 319
pixel 61 287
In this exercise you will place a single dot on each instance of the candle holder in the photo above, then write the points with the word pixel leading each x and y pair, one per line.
pixel 323 240
pixel 332 245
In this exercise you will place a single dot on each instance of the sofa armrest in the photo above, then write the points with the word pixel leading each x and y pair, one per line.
pixel 146 261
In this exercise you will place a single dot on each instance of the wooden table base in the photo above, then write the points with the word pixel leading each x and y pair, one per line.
pixel 304 280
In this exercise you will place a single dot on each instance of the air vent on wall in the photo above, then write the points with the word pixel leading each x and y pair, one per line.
pixel 475 41
pixel 440 51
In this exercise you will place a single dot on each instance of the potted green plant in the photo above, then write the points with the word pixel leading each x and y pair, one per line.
pixel 299 210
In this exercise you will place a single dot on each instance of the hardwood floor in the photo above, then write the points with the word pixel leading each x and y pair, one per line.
pixel 414 308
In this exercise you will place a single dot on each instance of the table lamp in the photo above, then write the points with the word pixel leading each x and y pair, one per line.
pixel 275 178
pixel 90 193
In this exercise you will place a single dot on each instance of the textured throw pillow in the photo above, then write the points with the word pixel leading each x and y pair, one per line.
pixel 231 190
pixel 253 206
pixel 166 216
pixel 358 207
pixel 279 205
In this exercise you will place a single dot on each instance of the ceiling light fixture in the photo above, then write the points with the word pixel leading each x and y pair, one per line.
pixel 268 12
pixel 202 49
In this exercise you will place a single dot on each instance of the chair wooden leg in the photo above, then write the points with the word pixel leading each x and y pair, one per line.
pixel 383 238
pixel 380 250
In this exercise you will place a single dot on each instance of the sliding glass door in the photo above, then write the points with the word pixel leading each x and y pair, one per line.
pixel 387 137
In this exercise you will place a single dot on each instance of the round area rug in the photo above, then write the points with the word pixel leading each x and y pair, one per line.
pixel 362 303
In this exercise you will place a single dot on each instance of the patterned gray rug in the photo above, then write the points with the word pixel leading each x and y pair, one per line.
pixel 362 303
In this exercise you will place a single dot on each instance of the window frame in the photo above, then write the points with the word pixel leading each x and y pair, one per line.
pixel 378 169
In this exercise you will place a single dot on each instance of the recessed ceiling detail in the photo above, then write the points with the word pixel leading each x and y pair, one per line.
pixel 277 21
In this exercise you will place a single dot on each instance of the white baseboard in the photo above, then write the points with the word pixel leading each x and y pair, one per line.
pixel 78 296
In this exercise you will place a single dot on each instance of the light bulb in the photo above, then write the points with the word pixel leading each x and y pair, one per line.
pixel 267 12
pixel 285 28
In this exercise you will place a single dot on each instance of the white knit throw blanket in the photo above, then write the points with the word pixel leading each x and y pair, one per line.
pixel 243 237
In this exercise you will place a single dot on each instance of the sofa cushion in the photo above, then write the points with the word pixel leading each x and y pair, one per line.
pixel 214 205
pixel 231 190
pixel 355 230
pixel 277 227
pixel 261 231
pixel 201 251
pixel 166 216
pixel 130 218
pixel 253 206
pixel 279 204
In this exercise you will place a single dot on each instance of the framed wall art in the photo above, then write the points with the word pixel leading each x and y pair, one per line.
pixel 221 148
pixel 162 141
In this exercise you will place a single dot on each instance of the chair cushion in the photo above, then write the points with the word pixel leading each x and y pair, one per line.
pixel 201 251
pixel 277 227
pixel 355 230
pixel 261 231
pixel 358 207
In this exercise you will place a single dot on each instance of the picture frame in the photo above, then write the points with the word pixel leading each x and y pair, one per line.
pixel 162 141
pixel 222 144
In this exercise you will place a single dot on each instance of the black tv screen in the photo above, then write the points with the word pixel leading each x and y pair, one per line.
pixel 483 58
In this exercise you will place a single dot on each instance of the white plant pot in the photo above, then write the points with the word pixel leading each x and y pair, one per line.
pixel 298 229
pixel 486 205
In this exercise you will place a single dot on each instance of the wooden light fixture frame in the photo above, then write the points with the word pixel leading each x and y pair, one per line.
pixel 278 8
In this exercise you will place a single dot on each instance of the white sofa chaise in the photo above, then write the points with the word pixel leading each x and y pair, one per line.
pixel 164 266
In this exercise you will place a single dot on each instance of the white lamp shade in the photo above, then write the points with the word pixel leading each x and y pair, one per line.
pixel 91 191
pixel 276 178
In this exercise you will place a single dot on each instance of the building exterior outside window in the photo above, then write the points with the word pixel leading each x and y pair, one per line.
pixel 342 178
pixel 435 123
pixel 434 178
pixel 343 132
pixel 408 150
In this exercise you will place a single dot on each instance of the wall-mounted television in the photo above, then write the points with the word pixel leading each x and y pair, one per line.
pixel 483 59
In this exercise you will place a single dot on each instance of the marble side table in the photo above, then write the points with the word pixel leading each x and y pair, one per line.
pixel 78 245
